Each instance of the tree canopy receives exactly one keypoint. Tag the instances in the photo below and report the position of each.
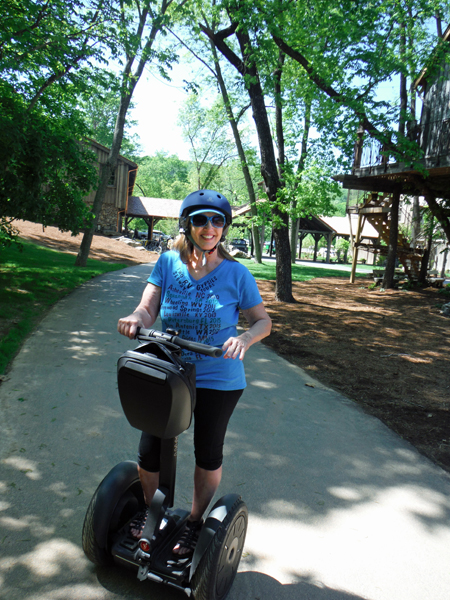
(44, 52)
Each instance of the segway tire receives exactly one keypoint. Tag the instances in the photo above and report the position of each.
(99, 556)
(116, 500)
(217, 569)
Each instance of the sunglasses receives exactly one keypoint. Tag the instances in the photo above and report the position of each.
(200, 220)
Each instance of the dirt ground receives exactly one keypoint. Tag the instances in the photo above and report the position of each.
(386, 350)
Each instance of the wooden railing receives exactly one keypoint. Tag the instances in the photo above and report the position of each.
(435, 141)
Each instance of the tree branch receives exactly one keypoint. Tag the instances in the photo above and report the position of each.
(336, 96)
(217, 39)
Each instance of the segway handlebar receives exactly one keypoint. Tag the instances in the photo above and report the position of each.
(153, 334)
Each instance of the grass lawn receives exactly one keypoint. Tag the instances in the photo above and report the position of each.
(30, 282)
(266, 271)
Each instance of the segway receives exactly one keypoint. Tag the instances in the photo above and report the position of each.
(157, 393)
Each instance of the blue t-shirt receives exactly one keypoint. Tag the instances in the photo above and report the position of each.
(206, 311)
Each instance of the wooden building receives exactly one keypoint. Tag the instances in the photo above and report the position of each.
(151, 210)
(376, 176)
(330, 228)
(120, 188)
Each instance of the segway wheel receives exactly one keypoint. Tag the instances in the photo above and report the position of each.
(99, 556)
(217, 569)
(116, 500)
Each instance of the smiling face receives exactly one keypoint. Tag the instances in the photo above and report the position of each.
(208, 236)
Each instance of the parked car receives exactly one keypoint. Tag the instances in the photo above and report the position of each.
(239, 244)
(157, 235)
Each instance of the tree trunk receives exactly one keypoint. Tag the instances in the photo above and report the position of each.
(249, 71)
(106, 170)
(426, 255)
(269, 171)
(415, 225)
(444, 262)
(129, 82)
(389, 273)
(403, 88)
(244, 165)
(300, 168)
(279, 115)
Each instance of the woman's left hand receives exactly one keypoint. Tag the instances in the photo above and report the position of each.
(260, 326)
(236, 347)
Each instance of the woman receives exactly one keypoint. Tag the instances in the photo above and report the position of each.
(198, 289)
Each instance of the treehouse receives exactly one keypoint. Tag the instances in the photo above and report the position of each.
(376, 176)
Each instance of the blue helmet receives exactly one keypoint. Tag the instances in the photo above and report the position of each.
(206, 200)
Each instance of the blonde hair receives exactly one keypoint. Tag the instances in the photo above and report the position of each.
(185, 247)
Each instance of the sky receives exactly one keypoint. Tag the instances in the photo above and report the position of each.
(157, 103)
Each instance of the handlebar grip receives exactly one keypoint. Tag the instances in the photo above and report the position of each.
(197, 347)
(186, 344)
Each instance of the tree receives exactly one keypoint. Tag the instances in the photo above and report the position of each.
(212, 63)
(45, 169)
(342, 245)
(100, 105)
(305, 165)
(206, 130)
(163, 176)
(138, 25)
(247, 67)
(336, 45)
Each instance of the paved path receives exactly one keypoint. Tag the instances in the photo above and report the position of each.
(340, 507)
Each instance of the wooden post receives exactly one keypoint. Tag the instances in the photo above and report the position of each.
(301, 238)
(444, 262)
(329, 246)
(355, 248)
(351, 229)
(316, 243)
(271, 244)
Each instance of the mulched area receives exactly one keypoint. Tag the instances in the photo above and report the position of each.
(386, 350)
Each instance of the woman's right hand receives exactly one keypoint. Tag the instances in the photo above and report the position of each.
(144, 315)
(128, 326)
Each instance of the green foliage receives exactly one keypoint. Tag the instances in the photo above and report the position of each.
(45, 42)
(45, 168)
(100, 104)
(163, 176)
(342, 244)
(309, 192)
(30, 282)
(206, 129)
(231, 182)
(8, 233)
(335, 44)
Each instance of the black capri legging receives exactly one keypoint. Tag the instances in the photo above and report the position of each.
(212, 412)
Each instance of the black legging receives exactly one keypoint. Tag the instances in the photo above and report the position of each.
(212, 412)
